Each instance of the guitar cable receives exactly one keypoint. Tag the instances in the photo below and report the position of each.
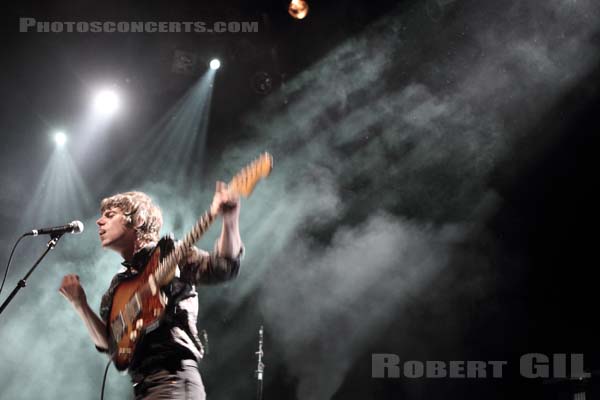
(8, 264)
(104, 379)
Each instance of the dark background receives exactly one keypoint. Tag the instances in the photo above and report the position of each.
(515, 277)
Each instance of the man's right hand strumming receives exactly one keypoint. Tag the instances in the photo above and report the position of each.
(72, 290)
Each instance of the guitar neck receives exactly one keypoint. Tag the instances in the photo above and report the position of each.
(168, 265)
(242, 184)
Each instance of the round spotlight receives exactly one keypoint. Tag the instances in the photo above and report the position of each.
(60, 138)
(106, 102)
(298, 9)
(215, 63)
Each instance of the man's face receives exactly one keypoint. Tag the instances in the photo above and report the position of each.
(114, 232)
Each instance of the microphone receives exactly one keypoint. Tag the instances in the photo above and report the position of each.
(73, 227)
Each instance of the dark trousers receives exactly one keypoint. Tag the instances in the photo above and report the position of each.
(182, 384)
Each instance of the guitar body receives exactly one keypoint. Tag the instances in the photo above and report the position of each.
(137, 308)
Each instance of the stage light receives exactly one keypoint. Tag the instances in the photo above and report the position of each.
(60, 138)
(106, 102)
(298, 9)
(215, 63)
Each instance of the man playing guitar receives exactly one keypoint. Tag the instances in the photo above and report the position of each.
(165, 362)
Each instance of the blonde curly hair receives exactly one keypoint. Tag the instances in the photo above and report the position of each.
(140, 212)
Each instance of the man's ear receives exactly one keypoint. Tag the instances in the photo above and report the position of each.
(140, 219)
(129, 220)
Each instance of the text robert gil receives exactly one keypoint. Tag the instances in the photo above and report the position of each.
(531, 365)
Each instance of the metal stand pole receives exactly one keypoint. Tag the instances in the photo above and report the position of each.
(260, 368)
(23, 282)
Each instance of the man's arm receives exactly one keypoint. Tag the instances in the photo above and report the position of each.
(227, 204)
(71, 289)
(224, 263)
(209, 268)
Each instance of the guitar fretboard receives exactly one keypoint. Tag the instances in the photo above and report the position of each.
(168, 265)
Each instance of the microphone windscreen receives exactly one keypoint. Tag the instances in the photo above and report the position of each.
(77, 226)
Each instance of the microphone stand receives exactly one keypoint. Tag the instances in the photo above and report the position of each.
(260, 368)
(205, 340)
(54, 238)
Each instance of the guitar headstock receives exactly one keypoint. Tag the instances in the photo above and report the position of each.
(243, 182)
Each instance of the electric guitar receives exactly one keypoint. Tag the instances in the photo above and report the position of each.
(139, 304)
